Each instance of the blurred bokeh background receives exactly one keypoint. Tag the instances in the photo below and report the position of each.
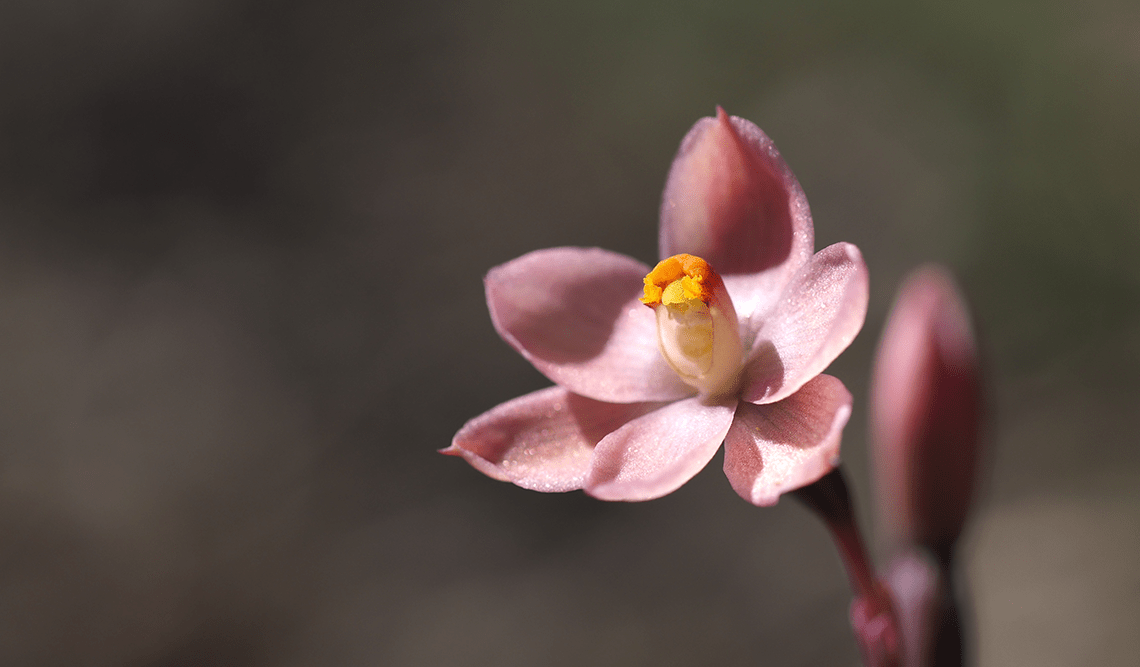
(241, 250)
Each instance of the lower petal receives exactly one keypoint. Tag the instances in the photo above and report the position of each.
(779, 447)
(542, 441)
(654, 455)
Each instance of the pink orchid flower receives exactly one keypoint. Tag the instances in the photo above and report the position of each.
(742, 318)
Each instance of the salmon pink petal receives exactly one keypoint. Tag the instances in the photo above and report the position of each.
(779, 447)
(755, 296)
(816, 318)
(732, 200)
(654, 455)
(574, 313)
(542, 441)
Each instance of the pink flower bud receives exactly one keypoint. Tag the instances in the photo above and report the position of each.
(925, 412)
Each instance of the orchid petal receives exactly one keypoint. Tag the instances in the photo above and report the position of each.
(732, 200)
(541, 441)
(779, 447)
(654, 455)
(817, 317)
(755, 296)
(574, 313)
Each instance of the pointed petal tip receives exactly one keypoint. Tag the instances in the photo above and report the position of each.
(851, 251)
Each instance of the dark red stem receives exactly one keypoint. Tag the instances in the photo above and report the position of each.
(872, 612)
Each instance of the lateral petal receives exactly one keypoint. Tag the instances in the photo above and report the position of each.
(818, 316)
(574, 313)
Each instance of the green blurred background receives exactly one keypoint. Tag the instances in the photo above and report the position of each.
(241, 250)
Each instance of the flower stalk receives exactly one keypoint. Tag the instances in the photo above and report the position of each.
(872, 611)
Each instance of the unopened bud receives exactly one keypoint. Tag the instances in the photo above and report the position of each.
(925, 412)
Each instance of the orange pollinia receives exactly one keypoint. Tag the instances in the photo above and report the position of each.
(697, 329)
(679, 277)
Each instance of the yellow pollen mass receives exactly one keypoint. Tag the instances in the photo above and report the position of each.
(681, 291)
(678, 279)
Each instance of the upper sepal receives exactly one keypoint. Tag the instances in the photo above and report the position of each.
(731, 199)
